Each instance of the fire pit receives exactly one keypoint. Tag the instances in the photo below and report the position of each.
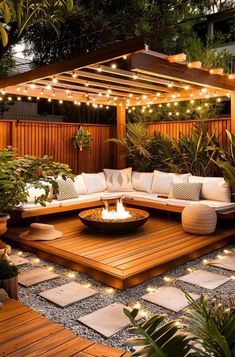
(114, 219)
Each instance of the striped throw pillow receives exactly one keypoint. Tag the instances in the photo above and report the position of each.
(186, 191)
(66, 189)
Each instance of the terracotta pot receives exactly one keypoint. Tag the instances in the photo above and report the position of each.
(11, 286)
(3, 222)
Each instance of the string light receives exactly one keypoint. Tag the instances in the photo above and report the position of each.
(107, 107)
(25, 90)
(18, 89)
(32, 86)
(10, 99)
(74, 74)
(48, 87)
(218, 100)
(124, 57)
(170, 85)
(113, 65)
(18, 98)
(29, 98)
(87, 84)
(99, 69)
(135, 76)
(38, 98)
(49, 100)
(54, 80)
(144, 96)
(3, 92)
(1, 98)
(60, 101)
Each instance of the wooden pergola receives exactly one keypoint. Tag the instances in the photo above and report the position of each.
(124, 74)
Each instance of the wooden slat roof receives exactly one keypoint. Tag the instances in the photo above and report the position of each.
(122, 72)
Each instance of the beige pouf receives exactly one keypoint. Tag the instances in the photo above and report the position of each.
(41, 231)
(199, 219)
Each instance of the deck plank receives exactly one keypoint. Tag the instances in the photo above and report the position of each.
(34, 335)
(124, 260)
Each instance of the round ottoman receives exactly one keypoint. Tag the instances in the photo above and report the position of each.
(199, 219)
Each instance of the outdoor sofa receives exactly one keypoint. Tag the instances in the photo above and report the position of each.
(152, 190)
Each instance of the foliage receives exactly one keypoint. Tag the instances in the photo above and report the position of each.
(7, 270)
(210, 332)
(190, 153)
(19, 16)
(207, 53)
(137, 146)
(194, 152)
(213, 327)
(18, 173)
(82, 139)
(157, 337)
(226, 161)
(173, 111)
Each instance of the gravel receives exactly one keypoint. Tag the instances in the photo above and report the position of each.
(68, 317)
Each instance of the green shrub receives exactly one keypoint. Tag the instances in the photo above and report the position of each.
(7, 270)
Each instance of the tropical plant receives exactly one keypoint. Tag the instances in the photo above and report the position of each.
(210, 331)
(136, 145)
(7, 270)
(157, 337)
(226, 161)
(195, 152)
(82, 139)
(18, 173)
(18, 16)
(213, 327)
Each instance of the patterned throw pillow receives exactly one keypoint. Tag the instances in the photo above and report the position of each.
(66, 189)
(119, 180)
(186, 191)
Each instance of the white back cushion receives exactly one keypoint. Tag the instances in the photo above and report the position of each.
(162, 181)
(34, 193)
(142, 181)
(94, 182)
(79, 185)
(119, 180)
(213, 188)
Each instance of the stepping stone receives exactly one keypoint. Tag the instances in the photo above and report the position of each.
(68, 294)
(169, 297)
(35, 276)
(17, 260)
(225, 262)
(108, 320)
(205, 279)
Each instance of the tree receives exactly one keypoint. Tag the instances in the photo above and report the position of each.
(18, 16)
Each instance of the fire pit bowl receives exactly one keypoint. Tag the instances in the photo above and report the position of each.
(93, 218)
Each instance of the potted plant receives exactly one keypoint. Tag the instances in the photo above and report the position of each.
(18, 173)
(9, 278)
(82, 139)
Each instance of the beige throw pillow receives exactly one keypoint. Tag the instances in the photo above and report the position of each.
(119, 180)
(162, 181)
(186, 191)
(66, 189)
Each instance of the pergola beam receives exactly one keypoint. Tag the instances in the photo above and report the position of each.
(148, 64)
(110, 52)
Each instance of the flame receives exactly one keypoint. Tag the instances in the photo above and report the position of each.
(114, 215)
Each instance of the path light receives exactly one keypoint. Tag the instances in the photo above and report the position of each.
(190, 270)
(167, 279)
(226, 251)
(35, 261)
(87, 285)
(19, 253)
(232, 277)
(137, 305)
(50, 268)
(205, 261)
(150, 289)
(71, 275)
(219, 256)
(110, 291)
(144, 313)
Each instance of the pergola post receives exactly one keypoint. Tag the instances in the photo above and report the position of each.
(233, 112)
(121, 132)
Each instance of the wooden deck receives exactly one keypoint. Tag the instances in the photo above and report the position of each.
(126, 260)
(25, 332)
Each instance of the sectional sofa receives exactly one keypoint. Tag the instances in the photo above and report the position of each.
(159, 190)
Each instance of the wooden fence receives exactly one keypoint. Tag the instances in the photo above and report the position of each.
(174, 128)
(54, 139)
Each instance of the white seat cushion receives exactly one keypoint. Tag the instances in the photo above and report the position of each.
(94, 182)
(142, 181)
(162, 181)
(213, 188)
(31, 206)
(79, 185)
